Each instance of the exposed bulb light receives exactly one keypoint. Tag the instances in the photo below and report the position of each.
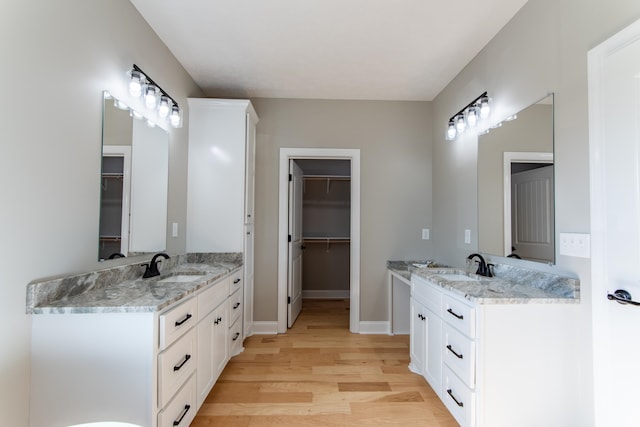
(472, 116)
(135, 84)
(151, 96)
(165, 106)
(511, 118)
(485, 108)
(120, 105)
(451, 131)
(460, 124)
(175, 118)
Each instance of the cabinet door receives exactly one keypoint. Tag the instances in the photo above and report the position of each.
(433, 352)
(212, 350)
(417, 337)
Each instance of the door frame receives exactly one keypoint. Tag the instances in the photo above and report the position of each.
(287, 154)
(510, 157)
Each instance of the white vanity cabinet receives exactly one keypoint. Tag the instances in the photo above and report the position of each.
(220, 195)
(152, 369)
(501, 364)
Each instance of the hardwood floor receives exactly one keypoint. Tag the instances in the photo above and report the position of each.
(319, 374)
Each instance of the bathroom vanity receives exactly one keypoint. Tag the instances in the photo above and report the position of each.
(145, 351)
(488, 346)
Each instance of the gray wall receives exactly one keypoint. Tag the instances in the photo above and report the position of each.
(543, 49)
(57, 58)
(395, 143)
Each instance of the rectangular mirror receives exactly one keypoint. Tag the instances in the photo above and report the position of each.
(516, 186)
(134, 183)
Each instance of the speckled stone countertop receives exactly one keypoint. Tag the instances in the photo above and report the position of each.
(512, 285)
(121, 289)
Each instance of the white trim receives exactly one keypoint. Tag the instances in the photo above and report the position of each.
(264, 328)
(283, 196)
(325, 294)
(375, 328)
(516, 157)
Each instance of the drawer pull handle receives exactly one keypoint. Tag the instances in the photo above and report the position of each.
(459, 356)
(236, 281)
(236, 305)
(217, 321)
(460, 404)
(181, 364)
(184, 412)
(187, 317)
(236, 336)
(456, 315)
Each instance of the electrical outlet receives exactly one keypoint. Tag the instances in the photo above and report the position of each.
(467, 236)
(174, 231)
(575, 244)
(425, 234)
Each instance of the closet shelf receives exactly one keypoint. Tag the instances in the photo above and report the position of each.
(326, 240)
(327, 178)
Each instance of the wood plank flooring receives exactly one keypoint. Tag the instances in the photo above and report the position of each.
(319, 374)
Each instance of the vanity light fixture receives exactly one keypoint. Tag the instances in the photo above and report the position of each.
(155, 98)
(469, 117)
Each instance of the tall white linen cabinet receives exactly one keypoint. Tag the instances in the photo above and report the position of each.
(221, 182)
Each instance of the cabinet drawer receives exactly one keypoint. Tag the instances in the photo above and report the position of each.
(427, 294)
(235, 338)
(459, 353)
(458, 399)
(460, 315)
(177, 321)
(211, 297)
(175, 365)
(235, 281)
(235, 306)
(182, 409)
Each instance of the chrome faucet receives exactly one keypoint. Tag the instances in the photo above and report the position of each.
(484, 269)
(152, 267)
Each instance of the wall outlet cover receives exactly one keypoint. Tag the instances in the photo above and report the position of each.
(425, 234)
(467, 236)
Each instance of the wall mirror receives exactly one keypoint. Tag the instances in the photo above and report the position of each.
(516, 186)
(133, 183)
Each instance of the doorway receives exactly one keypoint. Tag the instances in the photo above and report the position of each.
(309, 158)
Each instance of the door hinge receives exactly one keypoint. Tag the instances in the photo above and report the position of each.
(288, 300)
(289, 238)
(290, 177)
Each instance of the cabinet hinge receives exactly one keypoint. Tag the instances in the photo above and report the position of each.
(290, 177)
(288, 300)
(289, 238)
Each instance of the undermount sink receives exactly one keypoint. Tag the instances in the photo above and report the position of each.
(181, 278)
(457, 277)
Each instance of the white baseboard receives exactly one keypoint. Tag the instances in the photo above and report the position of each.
(382, 327)
(264, 328)
(328, 294)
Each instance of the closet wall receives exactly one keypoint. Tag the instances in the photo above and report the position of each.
(326, 228)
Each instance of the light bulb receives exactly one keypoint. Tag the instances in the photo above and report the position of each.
(175, 118)
(150, 96)
(451, 131)
(135, 84)
(472, 116)
(485, 108)
(119, 104)
(165, 106)
(460, 124)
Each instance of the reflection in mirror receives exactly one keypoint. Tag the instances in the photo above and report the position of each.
(516, 186)
(133, 203)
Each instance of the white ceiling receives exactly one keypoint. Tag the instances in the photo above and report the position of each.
(326, 49)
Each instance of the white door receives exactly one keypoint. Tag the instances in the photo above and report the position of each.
(614, 117)
(532, 230)
(295, 244)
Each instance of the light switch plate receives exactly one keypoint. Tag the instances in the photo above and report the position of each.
(467, 236)
(425, 234)
(174, 231)
(575, 244)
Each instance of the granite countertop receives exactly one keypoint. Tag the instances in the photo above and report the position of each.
(112, 291)
(512, 285)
